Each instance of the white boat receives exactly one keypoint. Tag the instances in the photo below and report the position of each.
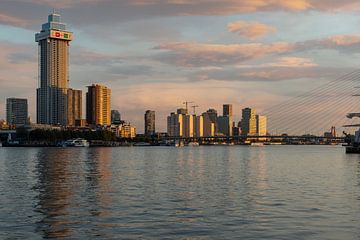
(77, 142)
(179, 143)
(193, 144)
(257, 144)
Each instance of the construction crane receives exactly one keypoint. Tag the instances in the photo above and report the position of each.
(194, 108)
(186, 104)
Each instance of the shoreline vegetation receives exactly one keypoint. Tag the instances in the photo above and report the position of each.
(105, 138)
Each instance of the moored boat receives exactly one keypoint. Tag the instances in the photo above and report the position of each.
(257, 144)
(179, 143)
(77, 142)
(193, 144)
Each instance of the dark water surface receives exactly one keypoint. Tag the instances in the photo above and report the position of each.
(235, 192)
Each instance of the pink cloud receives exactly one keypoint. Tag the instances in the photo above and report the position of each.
(215, 7)
(251, 30)
(343, 40)
(192, 54)
(291, 62)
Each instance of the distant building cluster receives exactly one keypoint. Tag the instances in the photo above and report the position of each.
(58, 105)
(209, 124)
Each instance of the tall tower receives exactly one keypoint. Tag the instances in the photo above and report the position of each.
(53, 41)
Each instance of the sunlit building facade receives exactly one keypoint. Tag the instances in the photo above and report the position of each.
(261, 125)
(98, 102)
(199, 126)
(181, 124)
(248, 122)
(74, 106)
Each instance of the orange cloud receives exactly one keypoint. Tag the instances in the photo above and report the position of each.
(344, 40)
(216, 7)
(250, 30)
(291, 62)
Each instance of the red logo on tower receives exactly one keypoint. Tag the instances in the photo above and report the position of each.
(61, 35)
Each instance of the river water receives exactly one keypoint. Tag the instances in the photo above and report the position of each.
(207, 192)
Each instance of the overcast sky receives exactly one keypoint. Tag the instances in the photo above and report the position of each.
(155, 54)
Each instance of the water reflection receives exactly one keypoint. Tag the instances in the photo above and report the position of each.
(189, 193)
(56, 187)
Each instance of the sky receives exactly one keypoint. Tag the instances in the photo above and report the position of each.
(156, 54)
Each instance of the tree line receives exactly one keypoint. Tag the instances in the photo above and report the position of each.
(53, 135)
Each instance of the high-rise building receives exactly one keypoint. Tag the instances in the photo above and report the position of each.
(208, 124)
(53, 41)
(181, 124)
(199, 126)
(261, 123)
(149, 119)
(175, 125)
(227, 110)
(189, 125)
(115, 117)
(98, 102)
(74, 106)
(225, 122)
(248, 122)
(16, 111)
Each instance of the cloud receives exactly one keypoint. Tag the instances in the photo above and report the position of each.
(272, 72)
(13, 21)
(251, 30)
(132, 70)
(94, 12)
(342, 43)
(291, 62)
(18, 72)
(192, 54)
(83, 56)
(203, 54)
(60, 4)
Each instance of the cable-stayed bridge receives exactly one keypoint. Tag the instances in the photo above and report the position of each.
(316, 111)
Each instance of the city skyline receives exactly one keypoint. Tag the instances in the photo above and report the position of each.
(246, 56)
